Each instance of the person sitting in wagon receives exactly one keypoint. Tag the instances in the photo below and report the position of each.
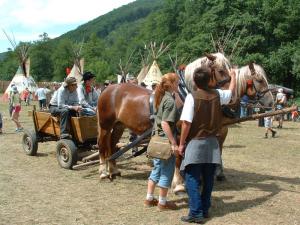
(88, 96)
(65, 103)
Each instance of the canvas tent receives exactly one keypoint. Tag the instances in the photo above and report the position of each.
(22, 78)
(77, 70)
(142, 74)
(154, 74)
(22, 82)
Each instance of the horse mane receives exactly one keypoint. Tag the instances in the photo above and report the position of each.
(221, 62)
(244, 74)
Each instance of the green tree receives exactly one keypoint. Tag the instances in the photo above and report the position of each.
(42, 68)
(62, 57)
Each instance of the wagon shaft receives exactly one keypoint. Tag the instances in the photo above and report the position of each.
(228, 121)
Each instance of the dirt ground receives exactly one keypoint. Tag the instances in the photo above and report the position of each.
(262, 186)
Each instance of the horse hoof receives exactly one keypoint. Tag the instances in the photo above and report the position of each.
(221, 178)
(180, 193)
(104, 175)
(179, 190)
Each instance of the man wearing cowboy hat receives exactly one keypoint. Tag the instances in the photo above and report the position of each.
(88, 96)
(65, 103)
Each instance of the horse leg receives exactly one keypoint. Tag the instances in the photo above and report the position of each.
(220, 176)
(116, 134)
(178, 182)
(104, 147)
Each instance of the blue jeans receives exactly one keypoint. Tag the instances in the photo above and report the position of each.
(244, 112)
(163, 172)
(199, 203)
(87, 112)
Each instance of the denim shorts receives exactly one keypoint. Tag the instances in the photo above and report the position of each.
(163, 171)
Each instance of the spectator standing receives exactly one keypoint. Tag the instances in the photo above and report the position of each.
(166, 118)
(26, 96)
(16, 103)
(280, 104)
(41, 94)
(291, 102)
(268, 123)
(10, 105)
(244, 106)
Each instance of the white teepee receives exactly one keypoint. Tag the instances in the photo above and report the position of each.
(142, 74)
(77, 69)
(22, 78)
(154, 74)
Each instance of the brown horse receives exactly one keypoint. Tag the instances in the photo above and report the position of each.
(126, 105)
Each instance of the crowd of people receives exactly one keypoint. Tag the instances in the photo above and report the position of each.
(198, 144)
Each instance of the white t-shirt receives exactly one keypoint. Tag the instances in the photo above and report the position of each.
(40, 93)
(281, 97)
(188, 107)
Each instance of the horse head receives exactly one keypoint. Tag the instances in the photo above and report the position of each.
(219, 65)
(252, 81)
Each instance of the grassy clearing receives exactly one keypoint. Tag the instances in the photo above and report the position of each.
(262, 187)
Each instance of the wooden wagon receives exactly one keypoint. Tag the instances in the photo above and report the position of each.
(47, 128)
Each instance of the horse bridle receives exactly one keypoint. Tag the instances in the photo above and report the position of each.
(258, 94)
(219, 84)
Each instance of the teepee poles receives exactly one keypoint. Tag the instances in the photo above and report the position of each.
(22, 52)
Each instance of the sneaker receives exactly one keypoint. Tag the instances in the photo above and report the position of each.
(192, 219)
(273, 133)
(266, 135)
(167, 206)
(150, 203)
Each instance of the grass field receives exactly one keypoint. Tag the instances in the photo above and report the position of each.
(262, 186)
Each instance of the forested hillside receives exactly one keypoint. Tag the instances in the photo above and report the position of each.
(264, 31)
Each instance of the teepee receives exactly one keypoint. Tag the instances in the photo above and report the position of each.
(77, 69)
(154, 74)
(22, 78)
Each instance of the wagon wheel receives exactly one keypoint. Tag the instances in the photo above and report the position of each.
(66, 153)
(29, 142)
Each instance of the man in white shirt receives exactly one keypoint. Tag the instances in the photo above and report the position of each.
(41, 94)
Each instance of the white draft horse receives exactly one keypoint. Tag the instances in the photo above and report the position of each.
(251, 80)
